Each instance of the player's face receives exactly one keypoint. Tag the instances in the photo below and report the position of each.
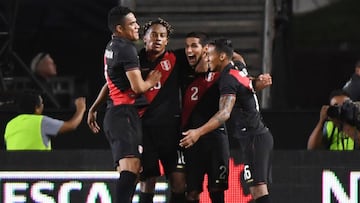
(202, 65)
(156, 38)
(213, 59)
(193, 50)
(130, 29)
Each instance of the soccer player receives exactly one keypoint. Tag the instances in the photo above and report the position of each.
(210, 154)
(161, 119)
(238, 103)
(122, 125)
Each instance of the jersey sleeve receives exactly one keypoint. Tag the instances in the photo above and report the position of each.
(227, 84)
(240, 65)
(129, 58)
(50, 126)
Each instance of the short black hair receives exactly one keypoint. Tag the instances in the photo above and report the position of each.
(26, 101)
(338, 92)
(159, 21)
(116, 16)
(224, 45)
(202, 36)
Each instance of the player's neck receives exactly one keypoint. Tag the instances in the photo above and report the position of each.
(154, 55)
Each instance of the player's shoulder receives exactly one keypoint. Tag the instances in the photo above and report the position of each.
(121, 43)
(179, 53)
(180, 57)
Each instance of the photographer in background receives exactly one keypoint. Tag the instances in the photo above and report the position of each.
(349, 120)
(327, 134)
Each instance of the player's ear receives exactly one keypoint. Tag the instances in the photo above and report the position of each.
(222, 56)
(119, 28)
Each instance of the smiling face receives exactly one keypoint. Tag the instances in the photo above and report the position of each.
(213, 59)
(130, 28)
(156, 38)
(193, 50)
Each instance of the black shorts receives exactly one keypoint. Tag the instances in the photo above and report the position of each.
(209, 155)
(122, 127)
(161, 143)
(257, 156)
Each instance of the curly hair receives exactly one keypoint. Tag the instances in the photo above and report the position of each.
(159, 21)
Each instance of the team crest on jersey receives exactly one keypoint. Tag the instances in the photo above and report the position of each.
(210, 77)
(242, 73)
(165, 65)
(244, 70)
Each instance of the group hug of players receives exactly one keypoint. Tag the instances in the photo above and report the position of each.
(179, 107)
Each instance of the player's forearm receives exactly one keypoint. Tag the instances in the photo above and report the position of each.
(143, 87)
(138, 85)
(215, 122)
(101, 98)
(226, 104)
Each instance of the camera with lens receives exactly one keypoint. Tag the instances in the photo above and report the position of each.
(348, 112)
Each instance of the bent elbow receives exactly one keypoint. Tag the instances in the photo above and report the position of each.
(139, 89)
(226, 116)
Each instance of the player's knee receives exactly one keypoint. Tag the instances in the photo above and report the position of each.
(259, 191)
